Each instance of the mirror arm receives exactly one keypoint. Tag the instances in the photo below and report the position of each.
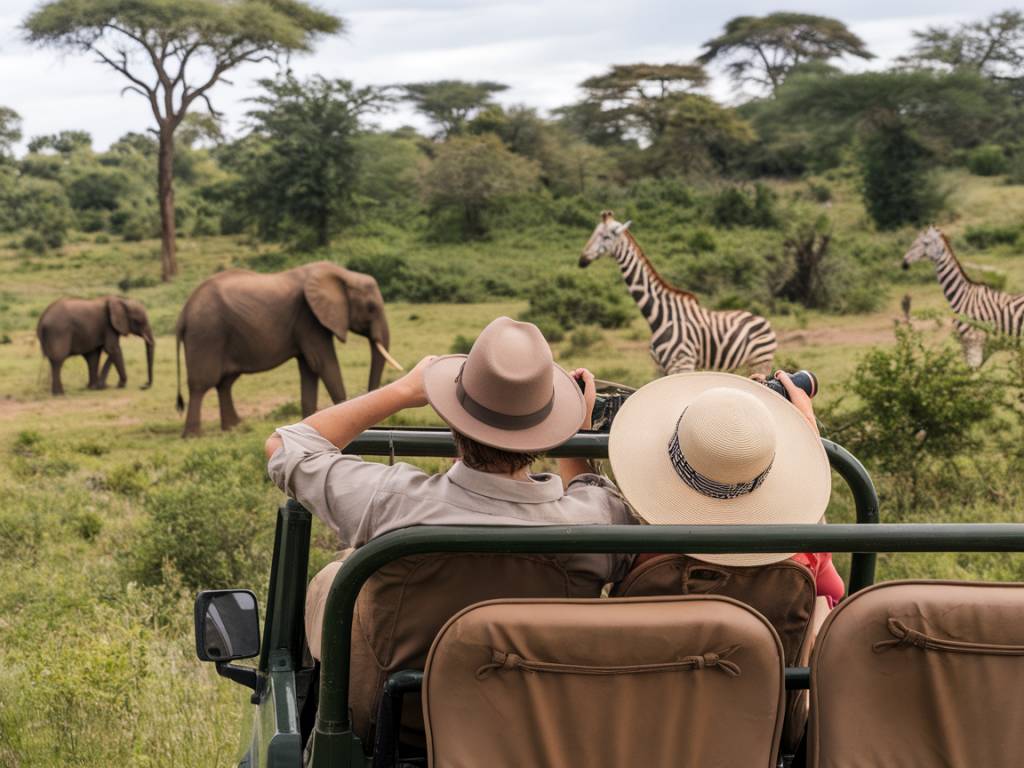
(246, 676)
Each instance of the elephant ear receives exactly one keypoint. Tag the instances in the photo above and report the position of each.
(327, 296)
(118, 316)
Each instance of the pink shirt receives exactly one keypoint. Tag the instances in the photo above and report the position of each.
(828, 582)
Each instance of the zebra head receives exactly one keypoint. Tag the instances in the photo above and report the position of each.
(605, 237)
(930, 244)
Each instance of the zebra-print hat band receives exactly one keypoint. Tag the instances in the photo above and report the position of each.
(703, 484)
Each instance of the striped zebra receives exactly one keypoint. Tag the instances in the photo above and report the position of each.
(974, 303)
(684, 335)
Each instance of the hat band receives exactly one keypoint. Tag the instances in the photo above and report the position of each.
(501, 420)
(703, 484)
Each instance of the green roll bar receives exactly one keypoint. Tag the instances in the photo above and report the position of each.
(334, 744)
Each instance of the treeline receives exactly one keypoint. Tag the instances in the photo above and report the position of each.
(311, 162)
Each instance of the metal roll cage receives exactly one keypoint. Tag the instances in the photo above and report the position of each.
(334, 743)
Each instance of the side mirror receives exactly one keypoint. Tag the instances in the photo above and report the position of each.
(227, 625)
(228, 628)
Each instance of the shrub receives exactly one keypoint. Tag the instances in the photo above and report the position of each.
(130, 282)
(583, 340)
(573, 298)
(987, 160)
(918, 408)
(735, 208)
(208, 520)
(988, 235)
(550, 327)
(461, 345)
(701, 240)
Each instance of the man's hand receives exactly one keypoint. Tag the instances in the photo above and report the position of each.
(800, 399)
(411, 385)
(589, 395)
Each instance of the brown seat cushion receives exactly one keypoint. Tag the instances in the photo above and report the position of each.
(403, 605)
(656, 681)
(783, 592)
(920, 673)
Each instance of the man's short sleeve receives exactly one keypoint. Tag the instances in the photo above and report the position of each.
(337, 487)
(600, 493)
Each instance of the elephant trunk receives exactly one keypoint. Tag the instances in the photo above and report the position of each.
(147, 335)
(380, 336)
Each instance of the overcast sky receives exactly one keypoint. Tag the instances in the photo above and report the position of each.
(540, 48)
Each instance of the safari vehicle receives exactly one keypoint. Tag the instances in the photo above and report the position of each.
(872, 680)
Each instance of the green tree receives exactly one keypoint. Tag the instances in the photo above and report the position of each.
(763, 49)
(63, 143)
(472, 175)
(993, 47)
(699, 136)
(897, 186)
(10, 131)
(299, 166)
(451, 103)
(172, 52)
(640, 97)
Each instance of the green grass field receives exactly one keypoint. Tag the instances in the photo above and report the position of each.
(96, 652)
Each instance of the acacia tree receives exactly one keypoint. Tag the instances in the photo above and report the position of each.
(451, 103)
(172, 52)
(763, 49)
(638, 96)
(993, 47)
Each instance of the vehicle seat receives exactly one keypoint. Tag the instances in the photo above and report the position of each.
(653, 681)
(922, 673)
(404, 604)
(784, 593)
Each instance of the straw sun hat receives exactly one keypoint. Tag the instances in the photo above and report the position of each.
(716, 449)
(508, 392)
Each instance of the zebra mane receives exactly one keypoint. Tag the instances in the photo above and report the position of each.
(952, 253)
(654, 273)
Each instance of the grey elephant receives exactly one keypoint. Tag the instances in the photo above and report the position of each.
(244, 322)
(89, 327)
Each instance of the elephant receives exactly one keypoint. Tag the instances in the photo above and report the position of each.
(89, 327)
(244, 322)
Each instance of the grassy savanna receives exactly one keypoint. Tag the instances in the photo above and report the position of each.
(111, 521)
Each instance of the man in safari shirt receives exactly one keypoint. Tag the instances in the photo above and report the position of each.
(506, 402)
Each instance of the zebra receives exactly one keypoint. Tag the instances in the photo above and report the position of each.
(972, 302)
(684, 335)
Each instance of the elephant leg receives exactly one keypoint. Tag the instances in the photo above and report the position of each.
(330, 372)
(228, 415)
(56, 388)
(92, 360)
(195, 411)
(113, 350)
(308, 383)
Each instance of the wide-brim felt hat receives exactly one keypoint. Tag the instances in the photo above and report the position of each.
(718, 449)
(507, 393)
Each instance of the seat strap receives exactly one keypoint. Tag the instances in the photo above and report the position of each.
(905, 637)
(502, 660)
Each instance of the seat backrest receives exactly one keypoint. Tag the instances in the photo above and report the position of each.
(783, 592)
(655, 681)
(920, 673)
(403, 605)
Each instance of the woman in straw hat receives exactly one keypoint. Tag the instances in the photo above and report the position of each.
(715, 449)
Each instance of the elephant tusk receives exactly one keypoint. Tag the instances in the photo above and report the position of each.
(384, 353)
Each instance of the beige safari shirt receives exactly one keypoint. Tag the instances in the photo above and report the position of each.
(361, 500)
